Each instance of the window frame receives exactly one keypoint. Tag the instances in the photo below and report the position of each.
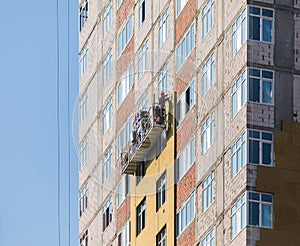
(261, 18)
(125, 35)
(125, 85)
(126, 231)
(208, 124)
(107, 213)
(163, 28)
(123, 189)
(208, 66)
(141, 216)
(241, 22)
(141, 4)
(83, 9)
(107, 163)
(83, 199)
(182, 5)
(161, 237)
(107, 17)
(83, 60)
(209, 7)
(161, 191)
(208, 191)
(239, 93)
(107, 67)
(83, 152)
(209, 238)
(107, 115)
(83, 106)
(143, 63)
(240, 143)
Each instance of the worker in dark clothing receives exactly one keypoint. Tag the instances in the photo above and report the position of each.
(162, 104)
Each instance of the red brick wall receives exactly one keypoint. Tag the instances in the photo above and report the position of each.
(123, 12)
(186, 73)
(186, 129)
(186, 186)
(125, 109)
(123, 213)
(125, 59)
(185, 19)
(187, 238)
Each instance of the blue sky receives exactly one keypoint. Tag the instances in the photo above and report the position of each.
(28, 159)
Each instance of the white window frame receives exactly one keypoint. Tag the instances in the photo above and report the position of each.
(261, 141)
(208, 18)
(125, 136)
(238, 210)
(83, 60)
(125, 85)
(239, 93)
(124, 238)
(163, 29)
(239, 155)
(142, 3)
(185, 215)
(107, 163)
(161, 237)
(180, 6)
(261, 19)
(208, 133)
(208, 74)
(107, 18)
(208, 240)
(185, 159)
(144, 103)
(123, 189)
(107, 116)
(161, 191)
(208, 191)
(163, 80)
(83, 152)
(262, 79)
(185, 47)
(125, 35)
(143, 62)
(261, 203)
(84, 239)
(107, 67)
(83, 14)
(107, 208)
(141, 212)
(239, 32)
(82, 106)
(83, 199)
(183, 107)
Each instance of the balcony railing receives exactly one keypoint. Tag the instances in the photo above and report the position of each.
(147, 128)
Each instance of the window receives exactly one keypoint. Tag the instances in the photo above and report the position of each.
(83, 106)
(107, 66)
(180, 5)
(124, 237)
(208, 133)
(125, 136)
(83, 60)
(258, 212)
(207, 17)
(260, 209)
(123, 188)
(238, 219)
(125, 86)
(238, 155)
(84, 239)
(161, 237)
(161, 191)
(208, 187)
(125, 36)
(143, 60)
(107, 213)
(83, 13)
(185, 103)
(260, 147)
(208, 74)
(107, 163)
(238, 93)
(261, 86)
(163, 29)
(185, 215)
(185, 47)
(143, 11)
(144, 104)
(107, 18)
(83, 198)
(261, 24)
(83, 152)
(209, 239)
(107, 116)
(141, 216)
(140, 172)
(120, 2)
(163, 83)
(239, 33)
(185, 159)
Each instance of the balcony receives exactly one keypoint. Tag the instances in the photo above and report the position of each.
(147, 129)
